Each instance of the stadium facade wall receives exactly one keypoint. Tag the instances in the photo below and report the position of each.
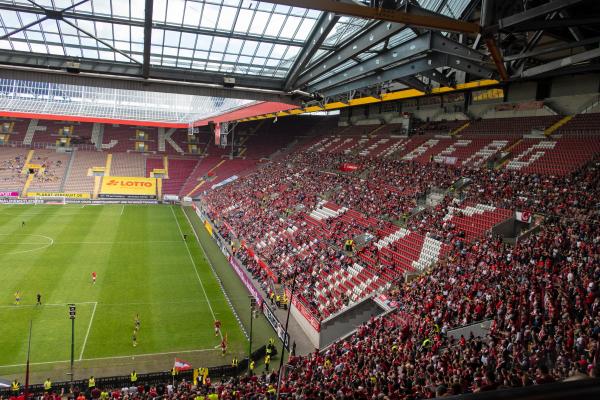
(307, 327)
(522, 91)
(568, 95)
(570, 85)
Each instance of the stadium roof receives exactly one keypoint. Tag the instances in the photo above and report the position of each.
(275, 48)
(111, 104)
(244, 37)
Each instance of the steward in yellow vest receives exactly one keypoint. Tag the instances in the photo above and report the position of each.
(91, 382)
(349, 246)
(15, 386)
(133, 377)
(47, 385)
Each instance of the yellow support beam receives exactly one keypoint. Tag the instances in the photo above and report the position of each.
(549, 131)
(364, 100)
(397, 95)
(313, 109)
(159, 188)
(335, 105)
(97, 183)
(108, 164)
(27, 159)
(460, 129)
(27, 184)
(202, 182)
(166, 166)
(195, 188)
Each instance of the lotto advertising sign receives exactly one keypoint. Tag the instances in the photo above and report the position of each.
(128, 187)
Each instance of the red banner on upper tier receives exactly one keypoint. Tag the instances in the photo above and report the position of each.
(348, 167)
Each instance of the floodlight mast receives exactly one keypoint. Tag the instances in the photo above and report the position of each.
(72, 311)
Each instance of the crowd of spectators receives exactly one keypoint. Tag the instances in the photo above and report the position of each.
(11, 168)
(540, 297)
(49, 169)
(541, 294)
(268, 210)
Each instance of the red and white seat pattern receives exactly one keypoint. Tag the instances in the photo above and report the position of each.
(530, 155)
(477, 219)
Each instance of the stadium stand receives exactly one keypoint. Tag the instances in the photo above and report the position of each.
(128, 164)
(523, 285)
(510, 126)
(581, 125)
(54, 165)
(179, 171)
(12, 161)
(438, 160)
(79, 179)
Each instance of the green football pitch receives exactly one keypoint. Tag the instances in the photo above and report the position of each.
(143, 267)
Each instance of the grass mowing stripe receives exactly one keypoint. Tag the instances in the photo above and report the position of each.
(238, 293)
(111, 358)
(20, 231)
(119, 242)
(218, 278)
(88, 331)
(45, 305)
(195, 268)
(140, 269)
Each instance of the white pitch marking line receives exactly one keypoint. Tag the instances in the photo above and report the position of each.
(237, 317)
(30, 250)
(122, 209)
(88, 331)
(110, 358)
(195, 269)
(120, 242)
(47, 305)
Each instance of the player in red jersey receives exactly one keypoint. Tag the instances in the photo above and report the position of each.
(224, 345)
(217, 327)
(94, 277)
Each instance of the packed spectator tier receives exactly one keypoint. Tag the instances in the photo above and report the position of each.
(540, 295)
(279, 215)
